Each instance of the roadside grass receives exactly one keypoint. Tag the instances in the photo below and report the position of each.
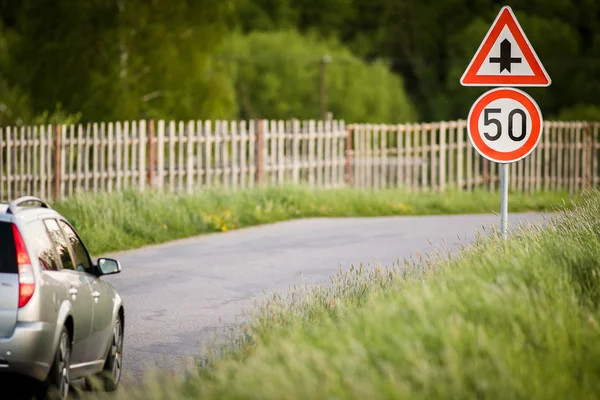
(515, 319)
(126, 220)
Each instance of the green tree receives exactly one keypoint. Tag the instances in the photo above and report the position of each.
(430, 42)
(433, 42)
(14, 104)
(122, 59)
(264, 15)
(278, 75)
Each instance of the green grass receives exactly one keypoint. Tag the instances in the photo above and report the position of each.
(127, 220)
(514, 319)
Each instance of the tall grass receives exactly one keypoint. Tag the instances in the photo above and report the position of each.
(126, 220)
(515, 319)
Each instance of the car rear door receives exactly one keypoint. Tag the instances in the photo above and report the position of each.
(9, 281)
(79, 292)
(102, 296)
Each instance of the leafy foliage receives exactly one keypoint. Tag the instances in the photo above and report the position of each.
(120, 59)
(430, 43)
(124, 59)
(580, 112)
(277, 74)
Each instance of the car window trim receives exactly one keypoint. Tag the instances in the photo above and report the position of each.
(87, 253)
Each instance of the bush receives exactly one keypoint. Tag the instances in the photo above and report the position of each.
(580, 113)
(277, 75)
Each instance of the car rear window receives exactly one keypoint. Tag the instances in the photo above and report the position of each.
(8, 255)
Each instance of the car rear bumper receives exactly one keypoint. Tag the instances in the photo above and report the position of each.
(29, 351)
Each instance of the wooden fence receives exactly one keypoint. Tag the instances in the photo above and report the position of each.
(59, 161)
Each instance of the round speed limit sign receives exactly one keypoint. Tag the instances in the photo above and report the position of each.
(504, 125)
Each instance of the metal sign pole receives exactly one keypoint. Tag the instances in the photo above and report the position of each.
(487, 69)
(503, 200)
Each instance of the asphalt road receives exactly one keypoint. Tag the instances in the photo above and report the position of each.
(181, 293)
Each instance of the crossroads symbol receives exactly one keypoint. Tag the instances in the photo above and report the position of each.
(505, 60)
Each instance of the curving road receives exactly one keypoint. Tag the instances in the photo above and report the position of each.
(181, 293)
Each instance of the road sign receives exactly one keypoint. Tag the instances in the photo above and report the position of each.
(504, 125)
(505, 57)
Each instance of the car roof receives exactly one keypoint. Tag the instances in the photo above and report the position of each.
(17, 207)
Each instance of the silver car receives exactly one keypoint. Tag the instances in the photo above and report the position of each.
(59, 320)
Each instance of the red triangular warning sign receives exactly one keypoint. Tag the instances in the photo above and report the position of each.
(505, 57)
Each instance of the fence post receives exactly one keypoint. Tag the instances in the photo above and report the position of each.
(57, 166)
(486, 172)
(348, 155)
(151, 154)
(260, 152)
(442, 156)
(589, 143)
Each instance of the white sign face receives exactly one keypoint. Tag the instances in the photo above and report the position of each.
(505, 58)
(504, 125)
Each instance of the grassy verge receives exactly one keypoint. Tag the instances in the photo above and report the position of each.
(120, 221)
(507, 320)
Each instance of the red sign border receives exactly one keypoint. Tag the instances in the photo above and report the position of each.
(505, 18)
(532, 108)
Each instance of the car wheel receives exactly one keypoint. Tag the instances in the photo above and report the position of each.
(59, 376)
(114, 363)
(111, 375)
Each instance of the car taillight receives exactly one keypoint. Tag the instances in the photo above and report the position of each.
(26, 275)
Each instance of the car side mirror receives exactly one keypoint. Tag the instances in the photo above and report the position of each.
(108, 266)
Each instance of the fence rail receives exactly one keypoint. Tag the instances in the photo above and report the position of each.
(58, 161)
